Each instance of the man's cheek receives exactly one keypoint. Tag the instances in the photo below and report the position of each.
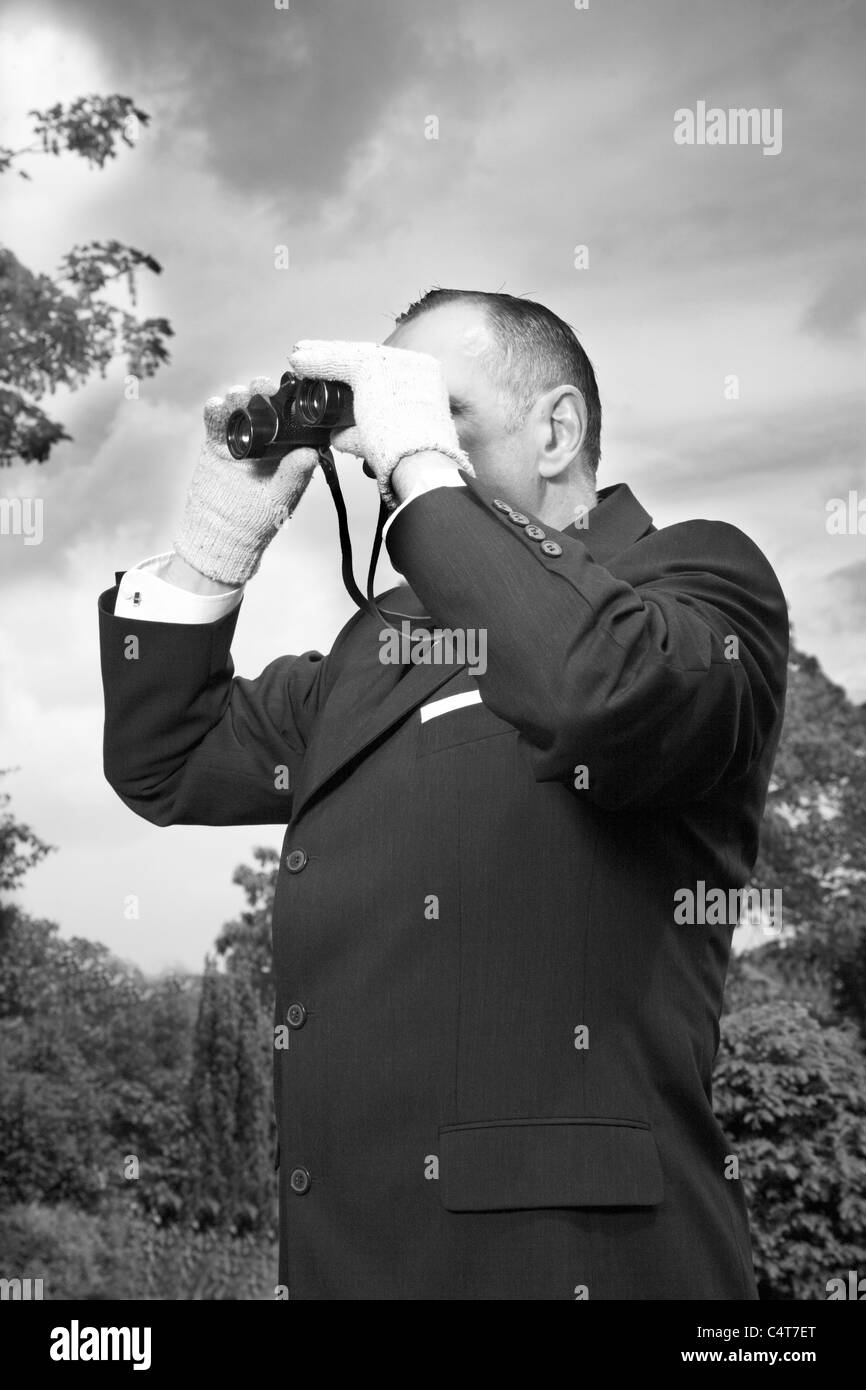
(491, 464)
(477, 447)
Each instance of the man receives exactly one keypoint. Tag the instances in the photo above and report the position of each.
(501, 1036)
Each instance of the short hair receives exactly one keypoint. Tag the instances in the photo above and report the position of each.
(536, 351)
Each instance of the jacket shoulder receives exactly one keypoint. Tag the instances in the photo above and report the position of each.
(700, 544)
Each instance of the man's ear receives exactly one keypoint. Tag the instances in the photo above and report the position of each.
(562, 417)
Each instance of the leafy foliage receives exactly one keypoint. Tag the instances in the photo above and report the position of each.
(245, 943)
(94, 1064)
(20, 849)
(117, 1253)
(230, 1104)
(813, 844)
(791, 1096)
(58, 331)
(90, 126)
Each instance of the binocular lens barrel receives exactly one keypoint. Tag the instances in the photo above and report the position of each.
(324, 403)
(249, 431)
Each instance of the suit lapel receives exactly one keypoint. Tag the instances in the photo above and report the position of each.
(368, 698)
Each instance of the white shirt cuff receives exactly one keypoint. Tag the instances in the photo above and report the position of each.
(144, 594)
(432, 477)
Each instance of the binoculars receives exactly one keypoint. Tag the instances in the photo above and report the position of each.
(301, 414)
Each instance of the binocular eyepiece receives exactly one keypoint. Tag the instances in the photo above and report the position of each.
(301, 414)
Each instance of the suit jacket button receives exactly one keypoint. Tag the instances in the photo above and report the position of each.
(296, 1015)
(535, 533)
(299, 1181)
(500, 505)
(519, 519)
(296, 861)
(551, 548)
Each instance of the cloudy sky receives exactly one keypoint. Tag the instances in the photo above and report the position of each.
(306, 127)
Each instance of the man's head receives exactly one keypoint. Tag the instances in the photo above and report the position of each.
(523, 394)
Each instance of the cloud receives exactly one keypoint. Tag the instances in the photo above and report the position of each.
(848, 586)
(286, 97)
(305, 128)
(835, 313)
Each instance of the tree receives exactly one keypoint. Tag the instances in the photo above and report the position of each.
(20, 848)
(94, 1059)
(57, 332)
(245, 942)
(230, 1105)
(210, 1096)
(255, 1126)
(813, 844)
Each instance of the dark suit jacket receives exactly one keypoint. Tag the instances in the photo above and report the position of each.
(498, 1082)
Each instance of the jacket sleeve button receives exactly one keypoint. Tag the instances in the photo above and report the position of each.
(551, 548)
(535, 533)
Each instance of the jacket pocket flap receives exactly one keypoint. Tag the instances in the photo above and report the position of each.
(503, 1164)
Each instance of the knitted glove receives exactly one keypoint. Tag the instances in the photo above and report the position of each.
(400, 404)
(234, 507)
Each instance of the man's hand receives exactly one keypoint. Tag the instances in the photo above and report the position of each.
(235, 507)
(400, 403)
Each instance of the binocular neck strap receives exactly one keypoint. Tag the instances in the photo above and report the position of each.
(368, 604)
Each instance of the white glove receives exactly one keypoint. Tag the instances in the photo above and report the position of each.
(400, 403)
(234, 507)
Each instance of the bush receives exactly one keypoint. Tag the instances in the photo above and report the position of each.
(791, 1096)
(121, 1254)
